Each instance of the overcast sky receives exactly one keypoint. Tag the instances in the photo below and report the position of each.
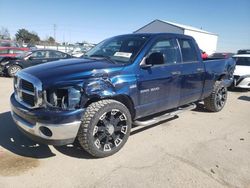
(95, 20)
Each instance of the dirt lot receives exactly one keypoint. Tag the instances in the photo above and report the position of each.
(196, 149)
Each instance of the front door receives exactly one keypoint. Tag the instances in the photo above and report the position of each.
(38, 57)
(159, 85)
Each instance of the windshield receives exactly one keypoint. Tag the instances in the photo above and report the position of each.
(245, 61)
(24, 54)
(120, 49)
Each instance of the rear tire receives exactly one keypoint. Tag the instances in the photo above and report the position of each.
(105, 128)
(217, 100)
(13, 69)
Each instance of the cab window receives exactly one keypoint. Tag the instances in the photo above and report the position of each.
(167, 48)
(187, 50)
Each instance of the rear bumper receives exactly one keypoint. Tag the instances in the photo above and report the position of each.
(48, 127)
(228, 82)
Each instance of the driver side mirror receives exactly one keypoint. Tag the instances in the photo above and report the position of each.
(156, 58)
(31, 58)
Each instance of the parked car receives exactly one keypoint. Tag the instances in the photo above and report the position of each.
(242, 71)
(9, 43)
(12, 65)
(245, 51)
(97, 98)
(11, 51)
(221, 55)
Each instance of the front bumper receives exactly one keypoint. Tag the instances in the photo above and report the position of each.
(242, 81)
(48, 127)
(1, 70)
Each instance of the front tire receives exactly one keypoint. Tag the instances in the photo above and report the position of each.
(105, 128)
(217, 100)
(13, 69)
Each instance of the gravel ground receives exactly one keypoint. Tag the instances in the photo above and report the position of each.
(196, 149)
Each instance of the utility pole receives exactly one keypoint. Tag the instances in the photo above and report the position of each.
(54, 28)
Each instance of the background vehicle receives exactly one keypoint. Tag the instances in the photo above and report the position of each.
(11, 51)
(9, 43)
(242, 71)
(10, 66)
(221, 55)
(124, 79)
(243, 51)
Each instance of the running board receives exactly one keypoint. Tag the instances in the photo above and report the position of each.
(164, 116)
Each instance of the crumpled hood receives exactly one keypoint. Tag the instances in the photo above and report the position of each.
(242, 70)
(72, 70)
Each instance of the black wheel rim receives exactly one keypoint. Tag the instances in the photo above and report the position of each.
(221, 97)
(110, 130)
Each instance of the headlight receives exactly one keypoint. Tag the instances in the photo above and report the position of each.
(5, 63)
(67, 98)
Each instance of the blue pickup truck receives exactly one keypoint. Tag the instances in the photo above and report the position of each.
(139, 79)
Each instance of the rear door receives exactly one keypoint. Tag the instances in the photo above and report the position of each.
(38, 57)
(192, 72)
(159, 85)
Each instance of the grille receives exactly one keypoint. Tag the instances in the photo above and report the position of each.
(29, 99)
(28, 90)
(236, 77)
(27, 86)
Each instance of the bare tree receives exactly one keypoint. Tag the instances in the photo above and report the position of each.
(4, 33)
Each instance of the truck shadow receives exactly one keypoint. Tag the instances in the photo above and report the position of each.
(201, 108)
(74, 150)
(16, 142)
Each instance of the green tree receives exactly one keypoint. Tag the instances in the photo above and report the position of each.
(24, 35)
(51, 40)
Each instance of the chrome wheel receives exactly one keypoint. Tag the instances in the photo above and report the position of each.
(12, 70)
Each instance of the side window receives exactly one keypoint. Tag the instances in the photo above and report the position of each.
(167, 47)
(55, 54)
(188, 50)
(39, 54)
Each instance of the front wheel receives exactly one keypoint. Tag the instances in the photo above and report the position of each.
(13, 69)
(217, 100)
(105, 128)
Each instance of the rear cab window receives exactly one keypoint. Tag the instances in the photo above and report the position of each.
(188, 51)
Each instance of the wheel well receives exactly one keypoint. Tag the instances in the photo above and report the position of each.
(124, 99)
(16, 65)
(221, 77)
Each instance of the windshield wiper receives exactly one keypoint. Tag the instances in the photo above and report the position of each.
(102, 57)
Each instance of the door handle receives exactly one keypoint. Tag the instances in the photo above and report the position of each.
(176, 73)
(200, 69)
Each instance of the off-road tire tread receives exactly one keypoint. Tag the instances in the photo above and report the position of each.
(209, 101)
(91, 110)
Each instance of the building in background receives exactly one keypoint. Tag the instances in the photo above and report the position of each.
(207, 41)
